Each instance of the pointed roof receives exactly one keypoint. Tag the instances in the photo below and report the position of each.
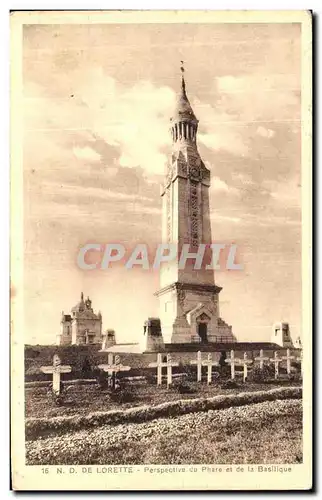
(183, 110)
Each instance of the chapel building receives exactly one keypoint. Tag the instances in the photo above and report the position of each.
(81, 326)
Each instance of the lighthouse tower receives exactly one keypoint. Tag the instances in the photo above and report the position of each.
(188, 297)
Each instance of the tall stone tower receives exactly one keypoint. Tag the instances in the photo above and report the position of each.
(189, 309)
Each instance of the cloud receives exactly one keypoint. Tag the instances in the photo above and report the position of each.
(134, 119)
(260, 96)
(286, 193)
(266, 82)
(82, 193)
(244, 179)
(261, 219)
(218, 130)
(219, 185)
(265, 132)
(225, 218)
(270, 214)
(225, 140)
(86, 153)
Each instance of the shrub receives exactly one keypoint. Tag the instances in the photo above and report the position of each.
(120, 391)
(151, 379)
(57, 399)
(86, 368)
(122, 395)
(216, 376)
(257, 375)
(190, 371)
(222, 359)
(294, 377)
(183, 387)
(229, 384)
(102, 379)
(296, 365)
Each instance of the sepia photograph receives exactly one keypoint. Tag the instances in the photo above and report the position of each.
(160, 228)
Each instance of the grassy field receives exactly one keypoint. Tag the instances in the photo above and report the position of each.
(267, 432)
(260, 431)
(80, 400)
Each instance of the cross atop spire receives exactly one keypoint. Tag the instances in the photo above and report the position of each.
(183, 83)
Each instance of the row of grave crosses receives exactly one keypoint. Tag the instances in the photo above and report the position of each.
(115, 366)
(232, 361)
(261, 358)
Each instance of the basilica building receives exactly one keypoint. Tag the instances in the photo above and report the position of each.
(81, 326)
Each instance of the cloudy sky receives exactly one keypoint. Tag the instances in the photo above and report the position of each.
(97, 102)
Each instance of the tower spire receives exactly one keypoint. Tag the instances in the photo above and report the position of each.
(184, 123)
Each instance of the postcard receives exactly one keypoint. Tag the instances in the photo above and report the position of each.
(161, 233)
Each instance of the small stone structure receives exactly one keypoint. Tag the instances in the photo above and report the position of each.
(153, 335)
(109, 339)
(281, 335)
(298, 343)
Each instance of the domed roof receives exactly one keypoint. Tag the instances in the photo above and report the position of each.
(80, 306)
(183, 110)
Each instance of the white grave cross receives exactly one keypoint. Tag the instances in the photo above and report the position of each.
(300, 359)
(199, 363)
(160, 364)
(245, 362)
(276, 360)
(56, 369)
(261, 358)
(231, 361)
(169, 366)
(236, 361)
(288, 359)
(113, 365)
(209, 363)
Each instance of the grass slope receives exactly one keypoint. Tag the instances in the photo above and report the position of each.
(85, 399)
(267, 432)
(36, 427)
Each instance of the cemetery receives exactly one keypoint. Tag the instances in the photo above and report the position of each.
(190, 392)
(122, 408)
